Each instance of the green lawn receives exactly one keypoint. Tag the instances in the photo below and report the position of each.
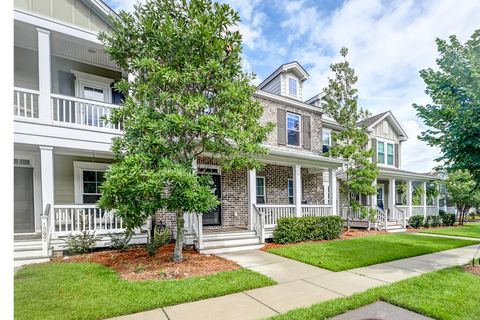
(359, 252)
(446, 294)
(471, 230)
(92, 291)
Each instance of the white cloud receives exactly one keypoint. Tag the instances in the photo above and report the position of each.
(389, 42)
(126, 5)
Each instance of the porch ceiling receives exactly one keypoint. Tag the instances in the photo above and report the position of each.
(63, 45)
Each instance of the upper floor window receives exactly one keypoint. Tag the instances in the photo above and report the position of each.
(293, 129)
(290, 191)
(292, 87)
(326, 140)
(385, 151)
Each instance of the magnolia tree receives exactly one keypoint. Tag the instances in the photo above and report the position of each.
(462, 190)
(342, 105)
(189, 97)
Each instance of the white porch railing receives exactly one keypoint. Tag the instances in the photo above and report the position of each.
(417, 210)
(400, 215)
(316, 210)
(68, 219)
(258, 223)
(25, 103)
(82, 112)
(378, 221)
(432, 211)
(405, 209)
(274, 212)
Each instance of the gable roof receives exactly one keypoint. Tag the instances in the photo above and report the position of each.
(295, 66)
(101, 9)
(371, 122)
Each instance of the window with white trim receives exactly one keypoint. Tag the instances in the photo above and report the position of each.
(292, 87)
(260, 184)
(92, 180)
(290, 191)
(326, 140)
(385, 153)
(293, 129)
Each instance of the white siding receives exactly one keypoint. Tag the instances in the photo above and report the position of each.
(25, 68)
(63, 176)
(389, 134)
(71, 11)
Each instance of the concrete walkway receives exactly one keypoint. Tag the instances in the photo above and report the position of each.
(444, 236)
(301, 285)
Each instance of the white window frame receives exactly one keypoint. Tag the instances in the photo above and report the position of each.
(329, 131)
(83, 79)
(296, 87)
(299, 129)
(264, 195)
(78, 167)
(385, 158)
(288, 191)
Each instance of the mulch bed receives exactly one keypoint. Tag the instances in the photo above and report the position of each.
(353, 233)
(473, 269)
(135, 264)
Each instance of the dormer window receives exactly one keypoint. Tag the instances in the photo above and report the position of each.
(292, 87)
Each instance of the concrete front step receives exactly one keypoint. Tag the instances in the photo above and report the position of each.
(229, 235)
(395, 229)
(212, 243)
(20, 254)
(18, 262)
(225, 249)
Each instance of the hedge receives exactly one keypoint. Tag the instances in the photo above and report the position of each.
(299, 229)
(448, 219)
(416, 221)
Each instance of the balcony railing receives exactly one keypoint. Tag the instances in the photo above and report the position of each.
(25, 103)
(82, 112)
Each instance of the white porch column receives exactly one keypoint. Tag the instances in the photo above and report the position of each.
(252, 195)
(391, 195)
(373, 198)
(44, 79)
(297, 189)
(332, 184)
(409, 197)
(46, 166)
(424, 199)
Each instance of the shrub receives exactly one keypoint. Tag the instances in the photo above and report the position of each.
(448, 219)
(433, 221)
(81, 243)
(295, 229)
(120, 241)
(416, 221)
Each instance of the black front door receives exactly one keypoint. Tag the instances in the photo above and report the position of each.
(214, 217)
(24, 219)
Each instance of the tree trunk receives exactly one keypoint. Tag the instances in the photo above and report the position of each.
(177, 253)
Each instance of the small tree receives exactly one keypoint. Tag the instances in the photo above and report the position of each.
(189, 97)
(461, 189)
(342, 105)
(454, 117)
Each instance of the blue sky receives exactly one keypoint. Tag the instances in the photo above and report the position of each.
(389, 42)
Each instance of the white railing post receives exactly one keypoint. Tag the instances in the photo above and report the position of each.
(46, 230)
(424, 199)
(297, 189)
(252, 195)
(200, 231)
(332, 184)
(44, 82)
(409, 197)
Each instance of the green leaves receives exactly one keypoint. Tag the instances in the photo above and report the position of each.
(189, 97)
(453, 119)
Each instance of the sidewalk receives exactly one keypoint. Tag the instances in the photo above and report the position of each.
(301, 285)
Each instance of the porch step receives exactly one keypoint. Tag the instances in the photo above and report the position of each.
(18, 262)
(395, 228)
(230, 242)
(229, 235)
(225, 249)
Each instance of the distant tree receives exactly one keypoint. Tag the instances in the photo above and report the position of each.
(454, 116)
(461, 189)
(189, 97)
(342, 105)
